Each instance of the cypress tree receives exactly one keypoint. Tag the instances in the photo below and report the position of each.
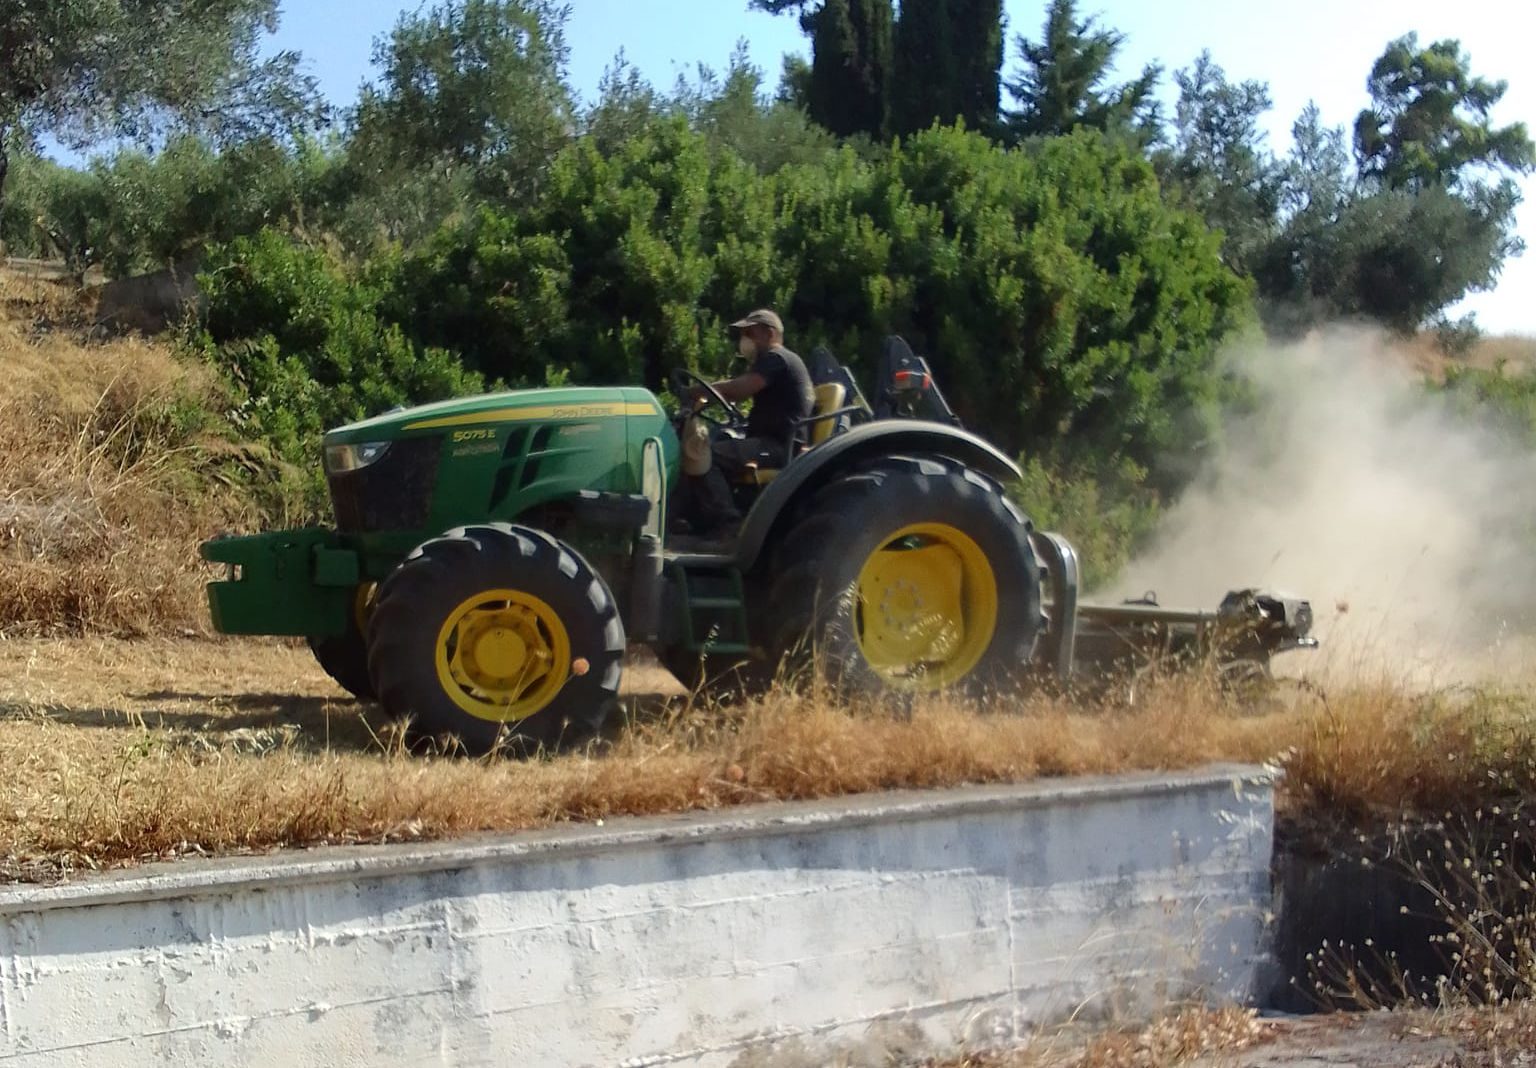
(923, 86)
(977, 34)
(949, 58)
(851, 66)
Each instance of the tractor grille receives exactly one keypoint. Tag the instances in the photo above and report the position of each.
(394, 493)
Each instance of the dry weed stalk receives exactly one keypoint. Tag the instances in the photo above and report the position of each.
(1180, 1036)
(1476, 872)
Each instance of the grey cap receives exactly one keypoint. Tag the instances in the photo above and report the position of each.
(761, 317)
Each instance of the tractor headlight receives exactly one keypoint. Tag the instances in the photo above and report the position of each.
(339, 459)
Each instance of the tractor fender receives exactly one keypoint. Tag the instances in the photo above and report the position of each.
(865, 442)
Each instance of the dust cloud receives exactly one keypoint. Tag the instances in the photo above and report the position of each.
(1407, 526)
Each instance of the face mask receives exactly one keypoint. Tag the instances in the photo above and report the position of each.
(747, 347)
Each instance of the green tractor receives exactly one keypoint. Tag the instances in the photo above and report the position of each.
(494, 557)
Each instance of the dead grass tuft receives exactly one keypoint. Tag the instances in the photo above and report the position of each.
(1174, 1039)
(104, 456)
(1515, 352)
(1503, 1035)
(1375, 753)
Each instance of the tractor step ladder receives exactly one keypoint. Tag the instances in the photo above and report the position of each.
(714, 605)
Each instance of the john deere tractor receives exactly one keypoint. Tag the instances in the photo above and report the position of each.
(493, 558)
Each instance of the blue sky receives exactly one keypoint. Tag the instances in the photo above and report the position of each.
(1305, 49)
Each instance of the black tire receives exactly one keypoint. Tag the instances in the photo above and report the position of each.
(813, 610)
(344, 657)
(417, 602)
(717, 675)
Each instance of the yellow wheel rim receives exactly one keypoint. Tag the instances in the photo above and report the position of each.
(503, 655)
(927, 607)
(362, 605)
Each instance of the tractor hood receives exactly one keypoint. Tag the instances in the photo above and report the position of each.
(527, 405)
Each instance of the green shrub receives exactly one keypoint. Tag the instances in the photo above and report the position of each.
(1495, 400)
(1106, 517)
(300, 341)
(1065, 308)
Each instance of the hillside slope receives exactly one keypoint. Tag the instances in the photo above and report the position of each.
(111, 472)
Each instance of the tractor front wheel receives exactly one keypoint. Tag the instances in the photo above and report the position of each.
(497, 635)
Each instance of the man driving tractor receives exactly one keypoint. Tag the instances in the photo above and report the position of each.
(779, 386)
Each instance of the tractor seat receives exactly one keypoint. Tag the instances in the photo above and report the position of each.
(829, 398)
(818, 428)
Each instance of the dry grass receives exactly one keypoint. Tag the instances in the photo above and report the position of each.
(123, 751)
(1227, 1037)
(1501, 1036)
(104, 492)
(1515, 352)
(1175, 1039)
(1378, 752)
(128, 750)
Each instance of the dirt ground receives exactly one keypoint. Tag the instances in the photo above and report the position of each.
(1236, 1038)
(253, 688)
(1380, 1040)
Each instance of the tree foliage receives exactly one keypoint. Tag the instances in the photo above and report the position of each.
(734, 112)
(1395, 257)
(1063, 84)
(1065, 306)
(949, 57)
(1426, 216)
(978, 30)
(1420, 217)
(847, 88)
(1429, 121)
(927, 67)
(141, 211)
(475, 85)
(85, 70)
(301, 340)
(1219, 161)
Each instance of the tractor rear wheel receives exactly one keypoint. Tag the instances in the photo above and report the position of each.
(912, 576)
(344, 657)
(497, 635)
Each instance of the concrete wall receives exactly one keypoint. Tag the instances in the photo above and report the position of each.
(784, 935)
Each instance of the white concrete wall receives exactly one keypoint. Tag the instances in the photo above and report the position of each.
(778, 936)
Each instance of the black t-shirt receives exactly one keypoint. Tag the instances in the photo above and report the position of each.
(787, 396)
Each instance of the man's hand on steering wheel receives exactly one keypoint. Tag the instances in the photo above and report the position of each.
(690, 387)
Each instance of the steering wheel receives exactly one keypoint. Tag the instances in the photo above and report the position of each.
(683, 378)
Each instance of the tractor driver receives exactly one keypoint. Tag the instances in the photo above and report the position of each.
(780, 388)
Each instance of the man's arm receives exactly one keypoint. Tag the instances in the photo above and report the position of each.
(741, 387)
